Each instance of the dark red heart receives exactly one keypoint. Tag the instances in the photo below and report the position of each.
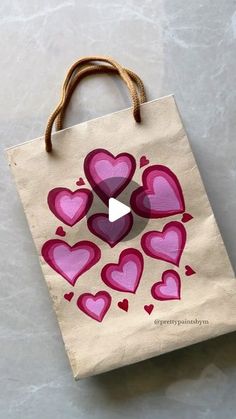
(149, 308)
(69, 296)
(186, 217)
(80, 182)
(60, 232)
(124, 305)
(189, 271)
(143, 161)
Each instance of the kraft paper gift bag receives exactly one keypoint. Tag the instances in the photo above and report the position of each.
(156, 279)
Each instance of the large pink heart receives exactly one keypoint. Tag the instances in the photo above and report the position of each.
(70, 206)
(160, 196)
(108, 175)
(126, 274)
(70, 261)
(168, 288)
(111, 232)
(167, 244)
(95, 306)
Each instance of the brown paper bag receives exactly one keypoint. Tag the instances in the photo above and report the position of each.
(122, 293)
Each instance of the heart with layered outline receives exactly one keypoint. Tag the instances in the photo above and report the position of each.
(95, 306)
(68, 206)
(70, 261)
(110, 232)
(160, 196)
(126, 274)
(107, 174)
(167, 245)
(168, 288)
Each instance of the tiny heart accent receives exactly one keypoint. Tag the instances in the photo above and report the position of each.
(149, 308)
(80, 182)
(124, 305)
(60, 232)
(186, 217)
(69, 296)
(143, 161)
(189, 271)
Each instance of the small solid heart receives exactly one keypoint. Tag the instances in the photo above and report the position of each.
(124, 305)
(69, 296)
(143, 161)
(80, 182)
(186, 217)
(149, 308)
(189, 271)
(60, 232)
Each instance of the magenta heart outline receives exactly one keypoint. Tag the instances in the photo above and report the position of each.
(55, 196)
(142, 193)
(98, 315)
(99, 184)
(113, 233)
(156, 289)
(126, 256)
(48, 250)
(172, 254)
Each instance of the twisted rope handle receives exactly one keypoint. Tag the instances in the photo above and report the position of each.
(93, 69)
(123, 74)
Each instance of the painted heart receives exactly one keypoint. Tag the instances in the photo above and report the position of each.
(111, 232)
(167, 245)
(69, 206)
(108, 175)
(160, 196)
(80, 182)
(186, 217)
(143, 161)
(60, 232)
(95, 306)
(149, 308)
(168, 288)
(126, 274)
(124, 305)
(69, 296)
(70, 261)
(189, 271)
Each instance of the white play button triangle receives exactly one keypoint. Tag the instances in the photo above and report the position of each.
(117, 209)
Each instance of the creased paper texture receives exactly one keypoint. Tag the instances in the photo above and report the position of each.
(120, 299)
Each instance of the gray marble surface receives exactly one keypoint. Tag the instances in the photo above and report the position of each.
(176, 46)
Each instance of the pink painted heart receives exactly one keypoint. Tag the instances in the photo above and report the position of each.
(69, 296)
(126, 274)
(111, 232)
(80, 182)
(167, 245)
(189, 271)
(143, 161)
(108, 175)
(186, 217)
(60, 232)
(124, 305)
(95, 306)
(70, 261)
(149, 308)
(69, 206)
(168, 288)
(160, 196)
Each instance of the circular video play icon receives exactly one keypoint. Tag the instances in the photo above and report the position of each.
(111, 217)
